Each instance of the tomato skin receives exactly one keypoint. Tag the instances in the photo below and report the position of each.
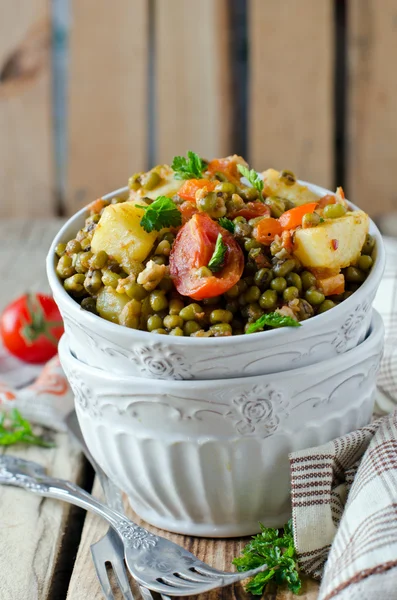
(293, 218)
(252, 210)
(193, 248)
(31, 327)
(188, 189)
(266, 230)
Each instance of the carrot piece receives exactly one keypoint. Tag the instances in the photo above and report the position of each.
(333, 285)
(188, 189)
(266, 230)
(97, 205)
(293, 218)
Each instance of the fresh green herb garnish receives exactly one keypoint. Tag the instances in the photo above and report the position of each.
(252, 176)
(277, 551)
(15, 429)
(191, 167)
(322, 220)
(227, 224)
(218, 257)
(161, 213)
(273, 319)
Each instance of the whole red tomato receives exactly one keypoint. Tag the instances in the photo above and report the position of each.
(31, 327)
(193, 248)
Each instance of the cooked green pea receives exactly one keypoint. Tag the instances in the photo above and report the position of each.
(164, 247)
(169, 237)
(73, 247)
(293, 279)
(172, 321)
(276, 247)
(250, 244)
(65, 267)
(287, 177)
(233, 292)
(315, 297)
(221, 329)
(159, 259)
(211, 301)
(226, 187)
(232, 306)
(60, 249)
(75, 283)
(242, 230)
(154, 322)
(253, 222)
(290, 293)
(191, 327)
(150, 180)
(191, 312)
(221, 316)
(158, 301)
(334, 211)
(208, 203)
(134, 182)
(85, 243)
(110, 278)
(239, 219)
(135, 290)
(177, 331)
(89, 304)
(326, 305)
(278, 284)
(308, 280)
(268, 300)
(253, 311)
(160, 331)
(365, 262)
(354, 275)
(99, 260)
(282, 268)
(175, 306)
(369, 245)
(93, 282)
(250, 194)
(204, 272)
(85, 260)
(166, 284)
(276, 205)
(310, 220)
(252, 294)
(263, 277)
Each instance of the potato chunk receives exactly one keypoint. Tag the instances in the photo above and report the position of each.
(120, 234)
(334, 244)
(296, 193)
(167, 186)
(110, 304)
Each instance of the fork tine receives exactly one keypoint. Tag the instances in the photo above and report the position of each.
(122, 580)
(100, 568)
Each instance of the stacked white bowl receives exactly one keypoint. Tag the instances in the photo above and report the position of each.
(197, 431)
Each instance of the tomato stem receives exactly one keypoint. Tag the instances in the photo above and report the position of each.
(38, 326)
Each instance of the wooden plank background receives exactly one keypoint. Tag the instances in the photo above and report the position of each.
(147, 80)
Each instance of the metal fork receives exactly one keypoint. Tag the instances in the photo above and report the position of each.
(109, 549)
(156, 563)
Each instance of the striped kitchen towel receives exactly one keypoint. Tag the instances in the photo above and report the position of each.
(344, 493)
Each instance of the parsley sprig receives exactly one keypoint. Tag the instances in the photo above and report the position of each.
(191, 167)
(15, 429)
(227, 224)
(161, 213)
(276, 550)
(273, 319)
(218, 258)
(252, 176)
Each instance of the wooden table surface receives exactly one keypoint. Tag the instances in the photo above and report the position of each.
(45, 544)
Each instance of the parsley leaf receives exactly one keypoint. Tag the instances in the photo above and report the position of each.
(161, 213)
(322, 220)
(15, 429)
(218, 257)
(227, 224)
(252, 176)
(191, 167)
(276, 550)
(273, 319)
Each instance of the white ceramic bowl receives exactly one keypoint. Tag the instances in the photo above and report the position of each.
(210, 458)
(108, 346)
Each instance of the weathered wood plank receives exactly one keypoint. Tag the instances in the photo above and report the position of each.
(192, 78)
(291, 87)
(107, 105)
(26, 173)
(371, 110)
(219, 553)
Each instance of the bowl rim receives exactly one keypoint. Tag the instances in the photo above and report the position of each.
(376, 332)
(125, 332)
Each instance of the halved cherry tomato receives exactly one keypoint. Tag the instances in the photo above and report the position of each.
(325, 200)
(31, 327)
(252, 210)
(266, 230)
(193, 248)
(293, 218)
(188, 209)
(190, 187)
